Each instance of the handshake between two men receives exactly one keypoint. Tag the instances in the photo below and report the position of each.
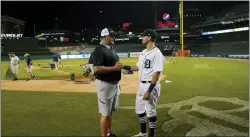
(120, 66)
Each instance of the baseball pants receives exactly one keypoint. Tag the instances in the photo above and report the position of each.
(173, 54)
(29, 69)
(148, 106)
(14, 69)
(56, 65)
(108, 97)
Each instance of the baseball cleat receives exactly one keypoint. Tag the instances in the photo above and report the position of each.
(34, 76)
(28, 79)
(141, 135)
(15, 79)
(112, 135)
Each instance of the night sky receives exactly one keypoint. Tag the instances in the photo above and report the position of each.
(80, 15)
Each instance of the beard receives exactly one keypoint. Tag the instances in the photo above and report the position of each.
(145, 43)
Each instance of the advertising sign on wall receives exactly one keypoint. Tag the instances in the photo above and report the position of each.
(75, 56)
(11, 36)
(74, 53)
(122, 55)
(135, 54)
(239, 56)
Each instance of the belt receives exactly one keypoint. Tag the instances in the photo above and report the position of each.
(145, 81)
(110, 82)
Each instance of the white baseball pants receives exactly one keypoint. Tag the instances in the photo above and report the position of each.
(148, 106)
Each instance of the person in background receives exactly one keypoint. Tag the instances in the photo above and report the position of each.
(14, 65)
(173, 54)
(29, 63)
(59, 60)
(55, 60)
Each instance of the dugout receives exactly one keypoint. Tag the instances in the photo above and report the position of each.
(11, 25)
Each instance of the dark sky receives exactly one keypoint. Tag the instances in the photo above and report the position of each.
(79, 15)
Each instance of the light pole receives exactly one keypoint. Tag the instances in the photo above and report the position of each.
(181, 26)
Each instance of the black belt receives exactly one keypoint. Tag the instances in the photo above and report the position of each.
(145, 81)
(110, 82)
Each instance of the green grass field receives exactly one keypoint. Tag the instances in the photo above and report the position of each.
(76, 114)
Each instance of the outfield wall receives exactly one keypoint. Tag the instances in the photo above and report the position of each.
(35, 57)
(86, 55)
(221, 56)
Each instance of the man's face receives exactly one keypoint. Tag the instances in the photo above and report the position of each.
(145, 40)
(110, 40)
(12, 55)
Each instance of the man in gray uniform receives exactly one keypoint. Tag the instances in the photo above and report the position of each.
(107, 71)
(173, 53)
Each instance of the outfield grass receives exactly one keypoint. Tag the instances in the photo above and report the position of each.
(69, 114)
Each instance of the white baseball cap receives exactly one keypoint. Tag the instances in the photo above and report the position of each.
(107, 32)
(26, 55)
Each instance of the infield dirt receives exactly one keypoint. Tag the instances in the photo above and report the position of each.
(129, 84)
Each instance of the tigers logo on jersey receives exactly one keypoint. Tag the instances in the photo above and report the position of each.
(147, 64)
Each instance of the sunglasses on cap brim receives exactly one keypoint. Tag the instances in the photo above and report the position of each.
(145, 36)
(113, 35)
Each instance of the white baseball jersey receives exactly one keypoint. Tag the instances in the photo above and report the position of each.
(150, 62)
(14, 61)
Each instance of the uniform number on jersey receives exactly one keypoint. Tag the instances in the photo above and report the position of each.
(147, 64)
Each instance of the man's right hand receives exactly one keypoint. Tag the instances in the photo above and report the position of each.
(118, 66)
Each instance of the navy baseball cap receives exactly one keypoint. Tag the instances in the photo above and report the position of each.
(150, 32)
(108, 32)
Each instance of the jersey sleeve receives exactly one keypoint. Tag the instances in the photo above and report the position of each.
(138, 62)
(159, 62)
(96, 57)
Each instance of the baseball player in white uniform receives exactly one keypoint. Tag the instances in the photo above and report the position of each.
(14, 65)
(150, 67)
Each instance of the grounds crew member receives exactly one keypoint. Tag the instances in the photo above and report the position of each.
(59, 60)
(55, 59)
(150, 66)
(173, 53)
(29, 64)
(107, 72)
(14, 65)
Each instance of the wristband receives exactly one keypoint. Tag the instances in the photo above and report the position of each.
(151, 87)
(126, 67)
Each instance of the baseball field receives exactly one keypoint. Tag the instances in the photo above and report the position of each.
(206, 97)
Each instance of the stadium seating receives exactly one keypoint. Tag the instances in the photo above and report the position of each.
(124, 47)
(138, 48)
(232, 48)
(88, 49)
(233, 13)
(23, 45)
